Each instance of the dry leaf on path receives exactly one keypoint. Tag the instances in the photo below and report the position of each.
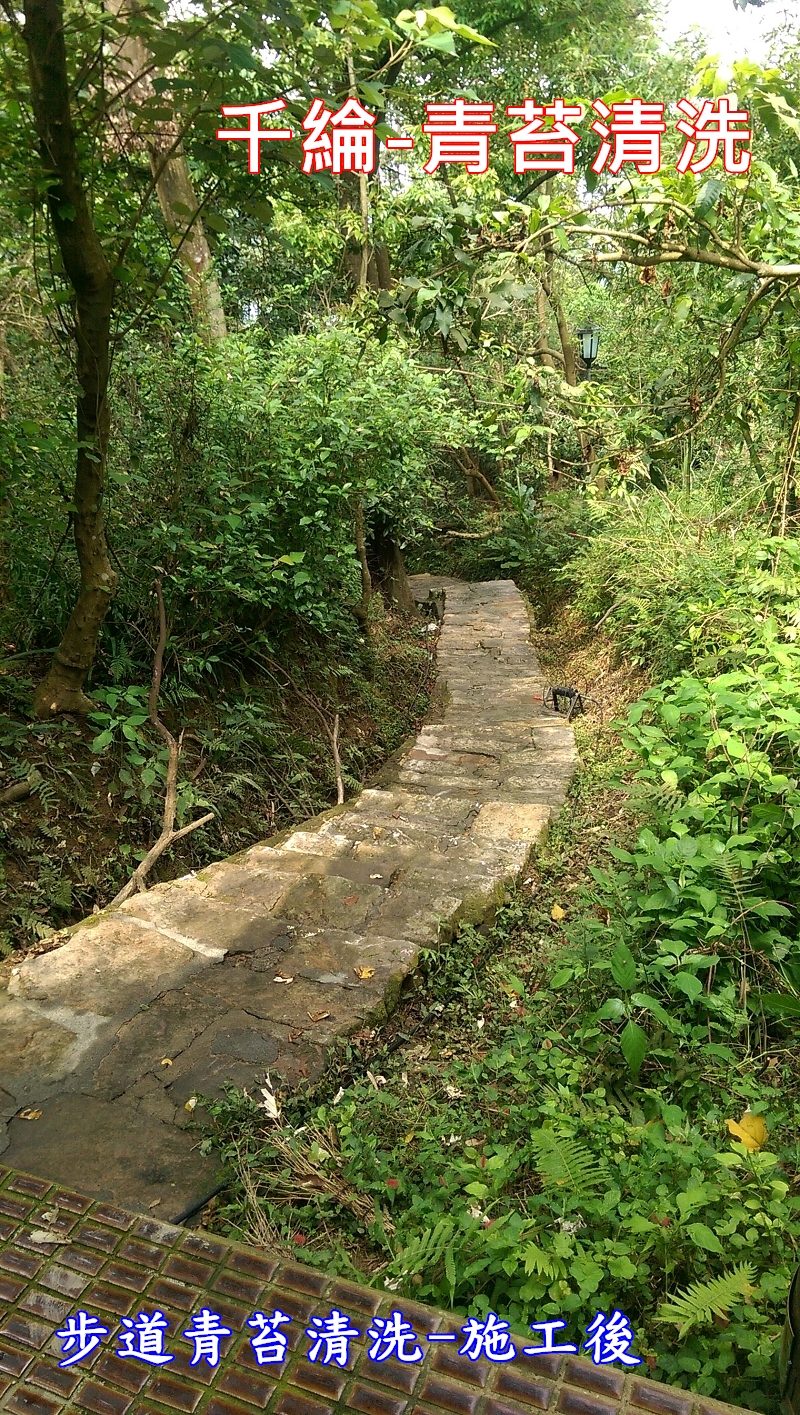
(28, 1114)
(363, 973)
(295, 1034)
(558, 913)
(351, 899)
(750, 1130)
(166, 1061)
(318, 1016)
(282, 978)
(190, 1104)
(154, 1204)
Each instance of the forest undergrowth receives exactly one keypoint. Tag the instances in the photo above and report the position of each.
(593, 1103)
(256, 752)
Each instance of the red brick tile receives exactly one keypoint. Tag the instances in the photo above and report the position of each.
(111, 1299)
(131, 1375)
(397, 1374)
(301, 1280)
(26, 1184)
(97, 1238)
(65, 1199)
(363, 1300)
(599, 1379)
(374, 1402)
(252, 1265)
(15, 1261)
(291, 1403)
(44, 1304)
(659, 1400)
(575, 1402)
(93, 1396)
(52, 1377)
(81, 1261)
(156, 1232)
(116, 1218)
(449, 1396)
(134, 1251)
(525, 1388)
(164, 1291)
(14, 1208)
(69, 1284)
(27, 1401)
(447, 1360)
(201, 1246)
(239, 1287)
(123, 1275)
(10, 1288)
(170, 1391)
(12, 1361)
(186, 1270)
(244, 1387)
(29, 1333)
(7, 1227)
(329, 1381)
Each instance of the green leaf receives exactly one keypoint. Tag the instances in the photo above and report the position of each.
(687, 983)
(682, 308)
(781, 1004)
(634, 1046)
(704, 1237)
(623, 967)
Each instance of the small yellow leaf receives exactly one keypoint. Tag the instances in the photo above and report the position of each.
(166, 1061)
(364, 973)
(557, 912)
(408, 1138)
(318, 1016)
(190, 1104)
(29, 1114)
(750, 1130)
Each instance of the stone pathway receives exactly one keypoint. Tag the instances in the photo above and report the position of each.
(259, 961)
(61, 1253)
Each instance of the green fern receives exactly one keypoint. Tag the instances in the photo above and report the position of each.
(543, 1264)
(702, 1301)
(566, 1165)
(425, 1251)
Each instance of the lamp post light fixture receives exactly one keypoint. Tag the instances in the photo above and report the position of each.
(589, 337)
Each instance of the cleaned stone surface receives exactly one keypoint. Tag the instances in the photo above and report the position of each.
(257, 962)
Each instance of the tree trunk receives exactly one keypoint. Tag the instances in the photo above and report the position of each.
(394, 580)
(361, 610)
(176, 194)
(91, 278)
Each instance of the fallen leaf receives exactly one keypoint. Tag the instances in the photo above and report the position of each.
(376, 1081)
(154, 1204)
(376, 876)
(318, 1016)
(339, 1095)
(28, 1114)
(295, 1034)
(453, 1092)
(41, 1235)
(270, 1101)
(751, 1130)
(351, 899)
(408, 1138)
(190, 1104)
(281, 978)
(49, 1216)
(481, 1023)
(557, 912)
(363, 973)
(166, 1061)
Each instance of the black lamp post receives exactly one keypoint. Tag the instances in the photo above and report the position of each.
(589, 336)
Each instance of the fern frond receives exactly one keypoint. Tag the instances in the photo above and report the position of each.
(543, 1264)
(567, 1165)
(702, 1301)
(655, 796)
(424, 1250)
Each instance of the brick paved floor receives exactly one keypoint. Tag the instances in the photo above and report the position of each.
(61, 1252)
